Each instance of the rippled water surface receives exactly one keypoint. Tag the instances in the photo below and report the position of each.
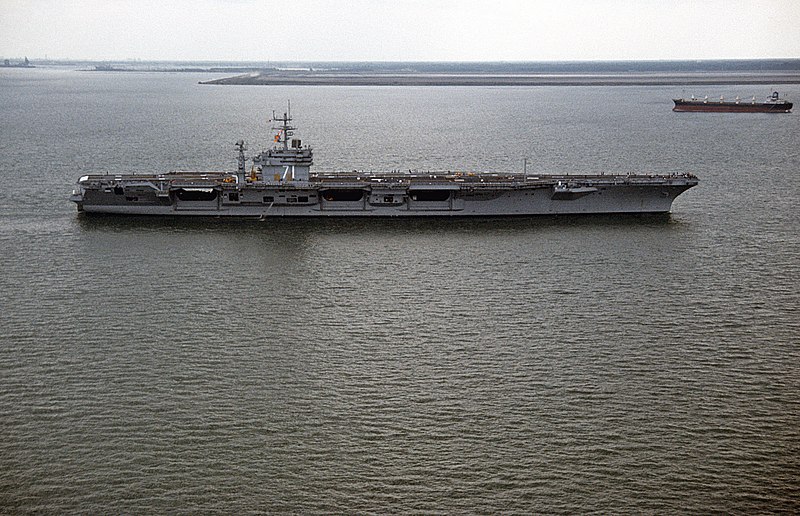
(530, 365)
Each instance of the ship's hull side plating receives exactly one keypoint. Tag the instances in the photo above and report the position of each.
(280, 184)
(773, 104)
(350, 197)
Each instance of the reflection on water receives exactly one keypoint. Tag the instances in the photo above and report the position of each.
(535, 364)
(378, 224)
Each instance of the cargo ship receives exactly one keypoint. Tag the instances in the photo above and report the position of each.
(773, 104)
(279, 183)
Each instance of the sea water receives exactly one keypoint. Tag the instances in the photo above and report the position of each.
(572, 364)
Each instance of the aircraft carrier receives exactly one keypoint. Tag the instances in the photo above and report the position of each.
(279, 183)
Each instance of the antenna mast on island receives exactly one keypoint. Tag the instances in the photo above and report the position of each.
(285, 130)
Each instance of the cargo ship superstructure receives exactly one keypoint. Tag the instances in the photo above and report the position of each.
(773, 104)
(279, 183)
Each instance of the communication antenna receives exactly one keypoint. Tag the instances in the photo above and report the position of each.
(241, 146)
(285, 130)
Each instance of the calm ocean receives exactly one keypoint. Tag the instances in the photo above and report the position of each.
(534, 365)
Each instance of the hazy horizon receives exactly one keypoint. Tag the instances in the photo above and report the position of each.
(48, 58)
(405, 31)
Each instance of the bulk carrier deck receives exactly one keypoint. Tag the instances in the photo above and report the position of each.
(280, 184)
(773, 104)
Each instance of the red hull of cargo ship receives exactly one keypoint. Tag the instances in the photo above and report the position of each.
(773, 104)
(731, 107)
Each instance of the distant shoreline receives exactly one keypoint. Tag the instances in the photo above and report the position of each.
(311, 78)
(768, 72)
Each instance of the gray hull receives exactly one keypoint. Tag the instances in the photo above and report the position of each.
(280, 184)
(341, 196)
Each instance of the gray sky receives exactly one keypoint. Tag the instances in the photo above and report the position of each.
(399, 30)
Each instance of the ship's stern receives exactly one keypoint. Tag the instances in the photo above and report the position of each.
(78, 192)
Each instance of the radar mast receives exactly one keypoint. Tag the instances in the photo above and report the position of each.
(284, 129)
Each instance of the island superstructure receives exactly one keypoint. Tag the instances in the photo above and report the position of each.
(279, 183)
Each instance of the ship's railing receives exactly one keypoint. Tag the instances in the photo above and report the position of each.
(489, 180)
(389, 181)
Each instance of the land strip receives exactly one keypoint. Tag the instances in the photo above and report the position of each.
(311, 78)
